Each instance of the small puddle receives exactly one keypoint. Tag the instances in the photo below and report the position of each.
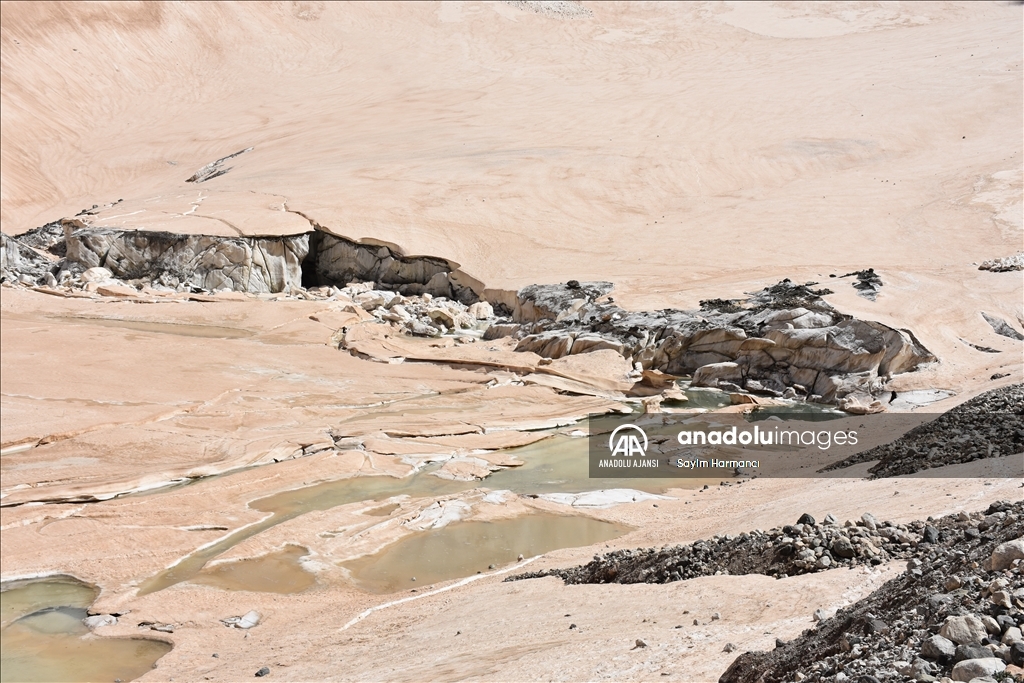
(43, 637)
(179, 329)
(466, 548)
(278, 572)
(703, 397)
(561, 464)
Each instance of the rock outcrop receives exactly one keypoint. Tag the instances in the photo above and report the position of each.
(1004, 264)
(205, 262)
(783, 337)
(58, 252)
(19, 262)
(1001, 327)
(338, 261)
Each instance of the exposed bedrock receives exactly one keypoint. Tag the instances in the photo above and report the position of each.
(783, 337)
(245, 264)
(257, 264)
(338, 261)
(21, 263)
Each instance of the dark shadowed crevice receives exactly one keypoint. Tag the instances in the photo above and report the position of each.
(310, 277)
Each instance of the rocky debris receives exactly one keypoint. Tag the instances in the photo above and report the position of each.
(1006, 554)
(196, 262)
(51, 237)
(214, 168)
(420, 316)
(802, 548)
(1004, 264)
(336, 261)
(264, 671)
(99, 620)
(20, 263)
(564, 9)
(943, 620)
(55, 255)
(1002, 328)
(556, 302)
(987, 426)
(784, 337)
(868, 283)
(980, 347)
(784, 340)
(246, 621)
(159, 628)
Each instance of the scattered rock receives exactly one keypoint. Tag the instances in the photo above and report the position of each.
(974, 668)
(1004, 264)
(938, 647)
(917, 612)
(815, 350)
(1005, 554)
(264, 671)
(963, 630)
(100, 620)
(989, 425)
(246, 621)
(868, 283)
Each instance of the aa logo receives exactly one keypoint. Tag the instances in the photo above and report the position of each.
(625, 440)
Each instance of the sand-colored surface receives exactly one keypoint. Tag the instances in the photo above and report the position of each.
(682, 151)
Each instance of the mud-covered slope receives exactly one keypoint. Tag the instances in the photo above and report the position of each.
(987, 426)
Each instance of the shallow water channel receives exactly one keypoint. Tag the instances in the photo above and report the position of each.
(555, 465)
(43, 638)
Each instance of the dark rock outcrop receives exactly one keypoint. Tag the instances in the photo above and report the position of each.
(338, 261)
(254, 264)
(785, 336)
(245, 264)
(1001, 327)
(868, 283)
